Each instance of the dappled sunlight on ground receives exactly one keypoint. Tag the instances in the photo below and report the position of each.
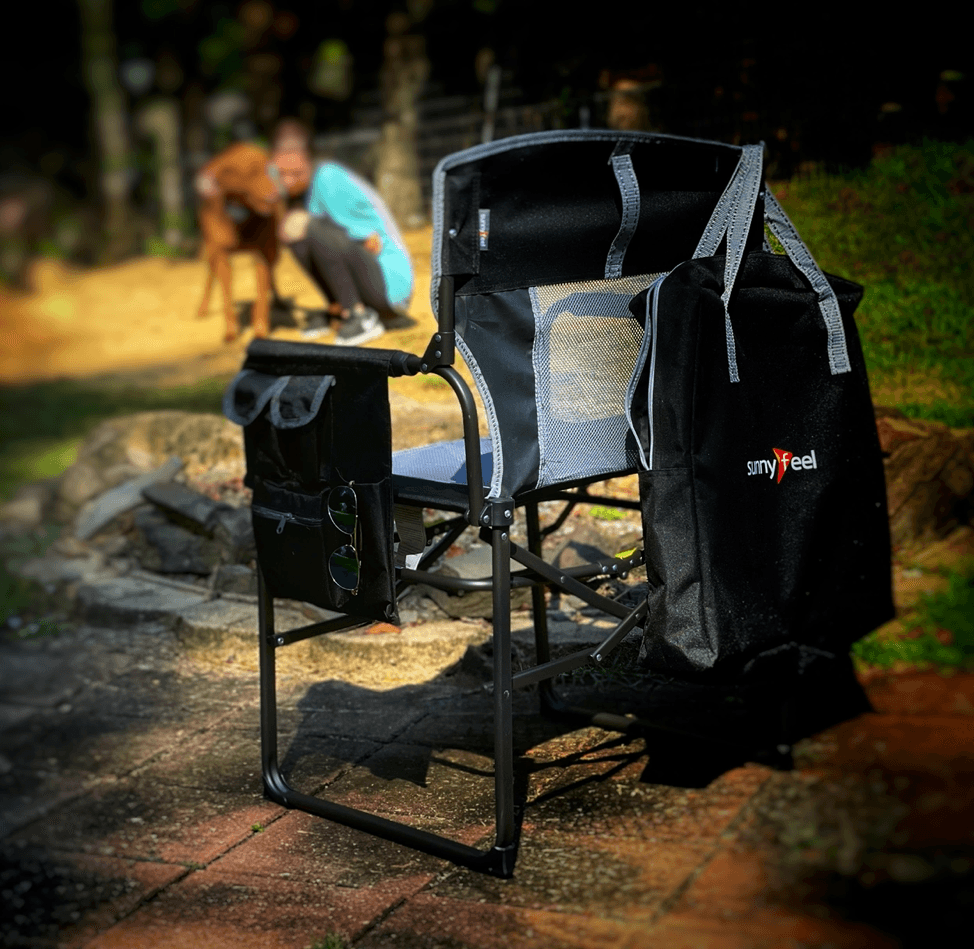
(142, 313)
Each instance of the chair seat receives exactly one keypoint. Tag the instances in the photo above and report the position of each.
(436, 475)
(442, 461)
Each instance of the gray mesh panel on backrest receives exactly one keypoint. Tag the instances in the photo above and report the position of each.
(585, 348)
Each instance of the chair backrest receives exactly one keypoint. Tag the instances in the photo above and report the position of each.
(548, 237)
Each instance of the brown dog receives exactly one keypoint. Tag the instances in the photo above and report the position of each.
(240, 208)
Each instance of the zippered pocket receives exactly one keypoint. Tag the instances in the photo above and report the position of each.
(297, 540)
(284, 518)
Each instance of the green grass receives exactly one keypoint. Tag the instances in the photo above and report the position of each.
(904, 228)
(41, 425)
(27, 610)
(331, 941)
(603, 513)
(942, 632)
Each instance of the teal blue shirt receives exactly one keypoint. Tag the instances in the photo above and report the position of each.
(354, 205)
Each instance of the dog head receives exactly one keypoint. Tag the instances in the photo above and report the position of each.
(240, 174)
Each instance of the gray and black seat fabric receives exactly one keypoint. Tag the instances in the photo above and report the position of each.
(540, 242)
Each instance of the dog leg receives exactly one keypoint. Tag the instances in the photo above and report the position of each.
(261, 315)
(221, 266)
(204, 307)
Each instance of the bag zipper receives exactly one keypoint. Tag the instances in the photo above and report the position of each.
(284, 517)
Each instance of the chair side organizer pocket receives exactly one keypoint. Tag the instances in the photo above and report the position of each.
(307, 556)
(322, 536)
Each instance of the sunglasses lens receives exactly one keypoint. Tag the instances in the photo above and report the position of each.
(342, 508)
(343, 567)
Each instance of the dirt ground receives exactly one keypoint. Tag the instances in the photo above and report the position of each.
(141, 315)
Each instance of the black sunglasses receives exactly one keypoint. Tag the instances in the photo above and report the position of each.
(343, 564)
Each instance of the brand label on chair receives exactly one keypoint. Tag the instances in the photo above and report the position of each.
(483, 227)
(783, 460)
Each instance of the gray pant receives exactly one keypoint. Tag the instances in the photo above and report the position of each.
(342, 268)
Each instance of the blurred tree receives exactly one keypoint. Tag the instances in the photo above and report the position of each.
(160, 120)
(100, 68)
(404, 71)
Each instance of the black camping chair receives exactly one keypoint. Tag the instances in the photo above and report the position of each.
(539, 244)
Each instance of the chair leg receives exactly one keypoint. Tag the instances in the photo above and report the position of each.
(549, 701)
(275, 787)
(499, 860)
(503, 692)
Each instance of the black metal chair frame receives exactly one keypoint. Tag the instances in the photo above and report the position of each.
(493, 518)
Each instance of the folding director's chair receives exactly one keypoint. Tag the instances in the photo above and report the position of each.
(539, 243)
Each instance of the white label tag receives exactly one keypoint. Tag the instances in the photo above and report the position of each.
(483, 232)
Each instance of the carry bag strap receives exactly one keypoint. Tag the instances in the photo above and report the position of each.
(780, 225)
(732, 217)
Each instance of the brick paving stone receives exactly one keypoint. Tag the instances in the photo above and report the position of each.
(227, 760)
(438, 790)
(905, 744)
(623, 878)
(135, 881)
(340, 708)
(102, 745)
(219, 910)
(303, 848)
(763, 929)
(148, 821)
(171, 694)
(923, 693)
(738, 893)
(618, 803)
(430, 921)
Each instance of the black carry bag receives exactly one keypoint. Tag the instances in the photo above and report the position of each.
(317, 437)
(763, 495)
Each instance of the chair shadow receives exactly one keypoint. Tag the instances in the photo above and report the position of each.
(688, 733)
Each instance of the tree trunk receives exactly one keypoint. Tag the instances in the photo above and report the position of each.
(404, 72)
(160, 121)
(100, 69)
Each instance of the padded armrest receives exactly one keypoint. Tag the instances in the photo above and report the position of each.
(280, 358)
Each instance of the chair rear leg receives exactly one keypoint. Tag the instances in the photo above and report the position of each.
(549, 701)
(275, 787)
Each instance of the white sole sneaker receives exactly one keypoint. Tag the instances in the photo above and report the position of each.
(359, 328)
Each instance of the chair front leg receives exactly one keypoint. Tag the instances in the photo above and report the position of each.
(503, 691)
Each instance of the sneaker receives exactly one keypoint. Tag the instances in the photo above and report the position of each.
(359, 328)
(314, 326)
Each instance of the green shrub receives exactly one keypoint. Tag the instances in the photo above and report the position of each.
(904, 228)
(943, 632)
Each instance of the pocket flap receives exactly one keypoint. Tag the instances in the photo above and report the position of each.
(294, 400)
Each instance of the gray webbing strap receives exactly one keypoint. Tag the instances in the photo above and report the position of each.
(412, 535)
(782, 228)
(629, 189)
(732, 216)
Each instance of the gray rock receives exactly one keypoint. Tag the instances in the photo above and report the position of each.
(132, 599)
(235, 578)
(123, 498)
(165, 547)
(234, 533)
(186, 504)
(28, 507)
(120, 447)
(929, 478)
(79, 484)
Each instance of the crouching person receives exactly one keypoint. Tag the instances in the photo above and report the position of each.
(342, 234)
